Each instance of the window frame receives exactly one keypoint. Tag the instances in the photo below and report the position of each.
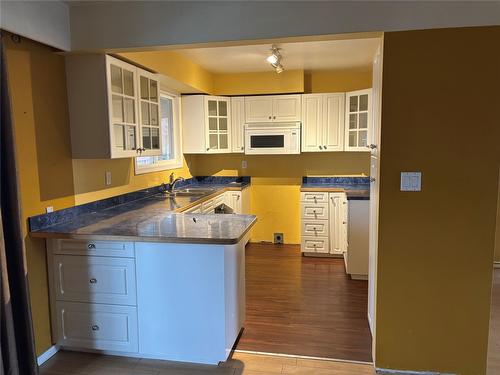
(178, 161)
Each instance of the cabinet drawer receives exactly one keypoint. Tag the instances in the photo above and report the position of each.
(208, 207)
(315, 228)
(314, 211)
(96, 248)
(95, 279)
(94, 326)
(313, 197)
(218, 200)
(314, 244)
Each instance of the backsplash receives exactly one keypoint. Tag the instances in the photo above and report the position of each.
(39, 222)
(336, 180)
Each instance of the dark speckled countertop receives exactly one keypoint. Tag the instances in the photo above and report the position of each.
(356, 188)
(156, 218)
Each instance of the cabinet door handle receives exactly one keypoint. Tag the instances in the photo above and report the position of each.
(208, 148)
(372, 179)
(95, 327)
(91, 246)
(274, 117)
(93, 280)
(324, 147)
(269, 117)
(242, 148)
(321, 147)
(344, 222)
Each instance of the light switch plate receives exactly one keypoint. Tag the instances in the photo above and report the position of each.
(244, 164)
(49, 209)
(411, 181)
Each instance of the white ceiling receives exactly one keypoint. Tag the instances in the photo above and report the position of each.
(315, 55)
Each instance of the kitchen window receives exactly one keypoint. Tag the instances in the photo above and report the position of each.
(171, 156)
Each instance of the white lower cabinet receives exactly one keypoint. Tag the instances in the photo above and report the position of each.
(97, 326)
(95, 279)
(338, 223)
(323, 223)
(186, 301)
(93, 294)
(357, 255)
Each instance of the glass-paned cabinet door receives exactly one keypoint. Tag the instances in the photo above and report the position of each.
(358, 117)
(149, 113)
(218, 124)
(124, 134)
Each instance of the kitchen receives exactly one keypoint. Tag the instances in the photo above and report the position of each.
(291, 162)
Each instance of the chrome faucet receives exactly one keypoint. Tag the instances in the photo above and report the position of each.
(172, 182)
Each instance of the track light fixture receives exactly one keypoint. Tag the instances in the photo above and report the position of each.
(275, 59)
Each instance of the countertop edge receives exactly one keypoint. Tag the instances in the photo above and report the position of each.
(107, 237)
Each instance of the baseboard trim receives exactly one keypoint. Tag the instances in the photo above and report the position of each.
(385, 371)
(496, 264)
(48, 354)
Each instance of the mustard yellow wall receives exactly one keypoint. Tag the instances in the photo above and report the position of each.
(275, 190)
(497, 234)
(435, 253)
(47, 174)
(176, 66)
(290, 81)
(340, 80)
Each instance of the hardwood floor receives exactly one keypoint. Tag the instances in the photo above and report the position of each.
(303, 306)
(73, 363)
(494, 344)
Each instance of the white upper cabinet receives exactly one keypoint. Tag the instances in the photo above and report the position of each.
(149, 111)
(357, 120)
(238, 124)
(286, 108)
(206, 124)
(106, 108)
(312, 123)
(258, 109)
(273, 108)
(322, 122)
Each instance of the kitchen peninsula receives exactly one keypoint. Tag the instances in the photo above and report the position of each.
(143, 279)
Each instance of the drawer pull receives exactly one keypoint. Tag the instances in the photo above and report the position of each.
(314, 245)
(95, 327)
(93, 281)
(91, 246)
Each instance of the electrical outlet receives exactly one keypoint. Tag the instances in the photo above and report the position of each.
(108, 178)
(49, 209)
(244, 164)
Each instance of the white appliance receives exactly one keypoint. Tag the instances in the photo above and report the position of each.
(272, 138)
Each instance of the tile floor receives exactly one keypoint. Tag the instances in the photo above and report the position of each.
(73, 363)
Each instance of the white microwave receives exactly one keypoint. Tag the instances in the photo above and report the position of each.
(272, 138)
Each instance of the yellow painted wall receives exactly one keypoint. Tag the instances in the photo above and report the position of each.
(337, 80)
(176, 66)
(275, 191)
(290, 81)
(497, 234)
(435, 252)
(47, 174)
